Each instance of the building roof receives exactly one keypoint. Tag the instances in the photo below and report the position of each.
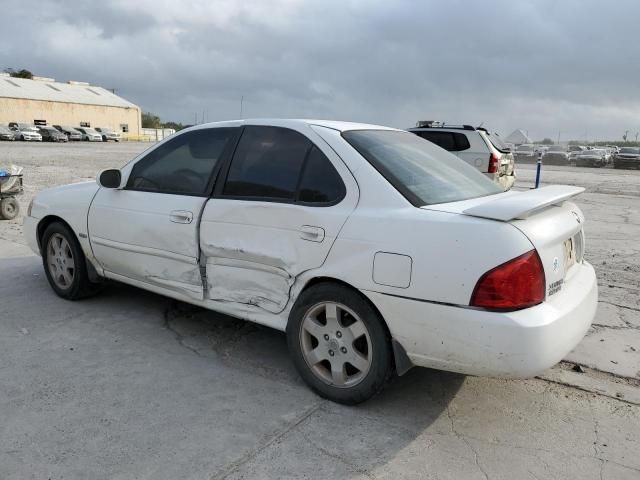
(518, 137)
(49, 90)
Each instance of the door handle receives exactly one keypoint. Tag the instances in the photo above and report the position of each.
(181, 216)
(312, 233)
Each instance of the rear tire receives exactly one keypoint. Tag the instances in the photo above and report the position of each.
(339, 344)
(65, 264)
(9, 208)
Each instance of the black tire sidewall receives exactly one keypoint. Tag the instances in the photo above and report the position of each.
(80, 284)
(382, 365)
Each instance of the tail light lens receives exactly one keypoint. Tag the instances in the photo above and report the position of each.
(514, 285)
(493, 163)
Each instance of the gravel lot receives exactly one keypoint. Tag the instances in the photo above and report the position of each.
(133, 385)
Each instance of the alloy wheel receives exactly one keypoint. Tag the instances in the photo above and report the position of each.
(62, 267)
(336, 344)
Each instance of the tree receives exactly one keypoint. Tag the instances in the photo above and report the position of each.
(546, 141)
(149, 120)
(175, 125)
(22, 73)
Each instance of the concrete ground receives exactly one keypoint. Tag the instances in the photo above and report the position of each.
(131, 385)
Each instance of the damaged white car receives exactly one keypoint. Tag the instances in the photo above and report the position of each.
(371, 247)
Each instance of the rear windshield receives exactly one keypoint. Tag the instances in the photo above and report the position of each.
(424, 173)
(629, 150)
(497, 142)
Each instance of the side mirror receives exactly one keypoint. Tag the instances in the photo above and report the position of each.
(110, 178)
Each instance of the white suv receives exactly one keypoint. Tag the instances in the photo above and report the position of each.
(478, 147)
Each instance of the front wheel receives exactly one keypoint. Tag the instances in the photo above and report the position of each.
(65, 264)
(9, 208)
(339, 344)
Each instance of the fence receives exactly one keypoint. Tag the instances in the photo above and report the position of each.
(149, 135)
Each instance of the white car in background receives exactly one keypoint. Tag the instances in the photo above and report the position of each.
(89, 134)
(480, 148)
(373, 249)
(25, 132)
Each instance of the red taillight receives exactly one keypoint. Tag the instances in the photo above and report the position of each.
(516, 284)
(493, 163)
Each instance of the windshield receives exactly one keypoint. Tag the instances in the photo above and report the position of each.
(4, 129)
(89, 130)
(629, 150)
(421, 171)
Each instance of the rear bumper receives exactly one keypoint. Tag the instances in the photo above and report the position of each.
(475, 342)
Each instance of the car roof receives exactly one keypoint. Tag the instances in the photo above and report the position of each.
(297, 122)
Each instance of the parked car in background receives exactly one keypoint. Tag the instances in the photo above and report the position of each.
(525, 153)
(556, 155)
(50, 134)
(574, 150)
(476, 146)
(71, 133)
(25, 132)
(591, 158)
(627, 157)
(6, 133)
(373, 249)
(89, 134)
(614, 149)
(108, 134)
(540, 150)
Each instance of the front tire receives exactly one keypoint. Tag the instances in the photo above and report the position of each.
(65, 264)
(9, 208)
(339, 344)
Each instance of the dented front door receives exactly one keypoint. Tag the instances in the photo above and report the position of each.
(148, 237)
(147, 230)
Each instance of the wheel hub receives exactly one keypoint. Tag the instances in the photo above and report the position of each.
(333, 344)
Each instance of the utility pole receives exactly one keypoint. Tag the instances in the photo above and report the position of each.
(195, 121)
(241, 102)
(558, 138)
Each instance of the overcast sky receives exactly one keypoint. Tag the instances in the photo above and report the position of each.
(544, 66)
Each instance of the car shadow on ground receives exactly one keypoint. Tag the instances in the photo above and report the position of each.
(421, 394)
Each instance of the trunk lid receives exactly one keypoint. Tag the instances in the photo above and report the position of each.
(552, 224)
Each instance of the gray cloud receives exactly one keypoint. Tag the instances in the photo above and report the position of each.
(546, 66)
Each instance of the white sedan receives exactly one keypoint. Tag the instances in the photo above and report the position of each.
(89, 134)
(374, 249)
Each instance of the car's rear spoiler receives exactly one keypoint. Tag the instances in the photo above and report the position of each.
(521, 205)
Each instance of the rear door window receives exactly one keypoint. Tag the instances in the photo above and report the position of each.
(320, 182)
